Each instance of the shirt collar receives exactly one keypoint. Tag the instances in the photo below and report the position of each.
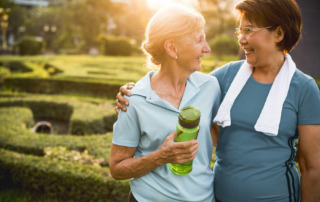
(143, 88)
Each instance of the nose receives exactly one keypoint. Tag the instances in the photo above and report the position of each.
(242, 39)
(206, 48)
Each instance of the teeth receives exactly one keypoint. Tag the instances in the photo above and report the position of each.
(248, 50)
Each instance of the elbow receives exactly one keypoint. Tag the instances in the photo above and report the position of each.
(114, 174)
(117, 175)
(311, 172)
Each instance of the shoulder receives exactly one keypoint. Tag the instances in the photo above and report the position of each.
(204, 79)
(301, 77)
(227, 69)
(303, 81)
(202, 76)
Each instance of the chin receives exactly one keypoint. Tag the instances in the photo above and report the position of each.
(249, 61)
(198, 68)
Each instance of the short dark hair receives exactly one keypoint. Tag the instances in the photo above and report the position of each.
(283, 13)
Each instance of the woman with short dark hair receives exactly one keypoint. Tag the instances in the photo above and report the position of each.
(267, 104)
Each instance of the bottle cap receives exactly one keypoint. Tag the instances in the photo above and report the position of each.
(189, 117)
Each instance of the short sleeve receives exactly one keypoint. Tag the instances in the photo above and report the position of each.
(126, 131)
(309, 105)
(217, 99)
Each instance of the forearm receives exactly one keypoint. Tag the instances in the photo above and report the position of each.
(310, 185)
(136, 167)
(309, 162)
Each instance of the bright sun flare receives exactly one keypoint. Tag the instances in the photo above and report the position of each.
(156, 4)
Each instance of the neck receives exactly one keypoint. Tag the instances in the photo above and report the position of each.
(169, 83)
(170, 76)
(267, 73)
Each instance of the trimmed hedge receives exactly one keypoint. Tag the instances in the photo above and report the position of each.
(16, 66)
(60, 179)
(224, 45)
(55, 86)
(115, 45)
(83, 117)
(15, 136)
(52, 177)
(30, 45)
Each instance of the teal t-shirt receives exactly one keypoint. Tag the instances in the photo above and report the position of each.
(150, 119)
(251, 166)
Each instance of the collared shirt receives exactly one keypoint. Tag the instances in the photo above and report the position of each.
(150, 119)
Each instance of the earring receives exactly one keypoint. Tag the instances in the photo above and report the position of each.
(176, 57)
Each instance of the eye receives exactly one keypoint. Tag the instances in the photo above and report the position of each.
(246, 30)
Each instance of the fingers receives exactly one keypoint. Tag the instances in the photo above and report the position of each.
(130, 85)
(122, 100)
(171, 136)
(177, 152)
(120, 106)
(117, 110)
(186, 144)
(124, 90)
(185, 155)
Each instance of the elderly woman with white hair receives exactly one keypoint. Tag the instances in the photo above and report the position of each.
(143, 137)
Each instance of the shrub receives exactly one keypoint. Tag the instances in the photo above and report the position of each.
(17, 67)
(55, 86)
(4, 72)
(84, 118)
(29, 45)
(113, 45)
(52, 70)
(224, 45)
(60, 179)
(62, 153)
(15, 136)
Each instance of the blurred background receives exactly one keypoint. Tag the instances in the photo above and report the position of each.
(83, 26)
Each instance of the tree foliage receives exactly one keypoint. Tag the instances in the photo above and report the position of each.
(76, 24)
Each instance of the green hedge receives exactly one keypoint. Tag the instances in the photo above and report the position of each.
(15, 135)
(52, 177)
(115, 45)
(43, 109)
(83, 117)
(60, 179)
(224, 45)
(30, 45)
(16, 66)
(56, 86)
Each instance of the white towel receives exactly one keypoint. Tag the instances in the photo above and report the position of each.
(270, 116)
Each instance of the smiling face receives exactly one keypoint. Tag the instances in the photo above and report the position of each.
(190, 49)
(259, 46)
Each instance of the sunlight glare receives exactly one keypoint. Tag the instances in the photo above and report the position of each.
(157, 4)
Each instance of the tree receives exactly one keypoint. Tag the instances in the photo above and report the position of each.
(218, 14)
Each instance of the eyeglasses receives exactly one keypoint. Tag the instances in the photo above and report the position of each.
(247, 31)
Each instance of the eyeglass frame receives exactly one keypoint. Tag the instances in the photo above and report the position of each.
(251, 30)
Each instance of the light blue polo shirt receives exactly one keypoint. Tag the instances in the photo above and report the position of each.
(150, 119)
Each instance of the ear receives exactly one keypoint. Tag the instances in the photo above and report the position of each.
(170, 48)
(279, 33)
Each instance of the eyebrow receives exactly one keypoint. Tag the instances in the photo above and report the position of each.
(249, 26)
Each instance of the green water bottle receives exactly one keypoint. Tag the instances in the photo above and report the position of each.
(187, 129)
